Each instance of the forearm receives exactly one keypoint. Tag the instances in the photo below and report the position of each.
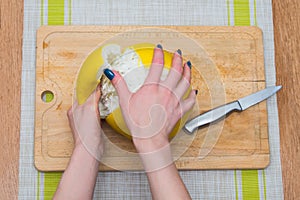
(78, 180)
(166, 183)
(164, 179)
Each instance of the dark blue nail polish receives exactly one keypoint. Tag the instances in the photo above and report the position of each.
(109, 74)
(196, 92)
(159, 46)
(189, 64)
(179, 52)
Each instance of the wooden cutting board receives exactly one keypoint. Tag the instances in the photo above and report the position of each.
(228, 64)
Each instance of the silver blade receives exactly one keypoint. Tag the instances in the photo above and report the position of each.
(257, 97)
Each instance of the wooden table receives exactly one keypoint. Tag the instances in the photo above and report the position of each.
(287, 50)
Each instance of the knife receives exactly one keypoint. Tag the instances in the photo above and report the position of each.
(221, 111)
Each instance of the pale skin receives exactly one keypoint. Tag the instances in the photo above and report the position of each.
(78, 180)
(150, 125)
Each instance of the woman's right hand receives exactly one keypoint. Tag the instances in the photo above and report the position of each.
(150, 115)
(152, 112)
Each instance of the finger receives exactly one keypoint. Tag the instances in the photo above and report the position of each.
(175, 72)
(94, 98)
(98, 92)
(185, 81)
(120, 86)
(97, 99)
(156, 66)
(189, 102)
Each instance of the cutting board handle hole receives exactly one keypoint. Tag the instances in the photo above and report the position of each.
(47, 96)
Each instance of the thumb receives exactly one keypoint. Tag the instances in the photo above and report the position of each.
(94, 97)
(120, 86)
(97, 99)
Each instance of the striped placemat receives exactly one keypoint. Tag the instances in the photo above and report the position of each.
(210, 184)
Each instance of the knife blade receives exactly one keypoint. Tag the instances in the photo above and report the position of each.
(221, 111)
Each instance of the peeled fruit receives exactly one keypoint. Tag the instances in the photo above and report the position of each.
(133, 64)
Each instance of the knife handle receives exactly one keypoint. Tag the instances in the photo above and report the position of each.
(211, 116)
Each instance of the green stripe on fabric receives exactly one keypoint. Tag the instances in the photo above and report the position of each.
(228, 12)
(42, 12)
(38, 183)
(50, 184)
(236, 186)
(255, 19)
(250, 185)
(56, 16)
(241, 13)
(56, 9)
(70, 12)
(264, 178)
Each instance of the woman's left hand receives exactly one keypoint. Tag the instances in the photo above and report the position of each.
(85, 124)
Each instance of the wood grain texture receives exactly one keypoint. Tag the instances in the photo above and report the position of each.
(285, 29)
(11, 20)
(287, 54)
(230, 67)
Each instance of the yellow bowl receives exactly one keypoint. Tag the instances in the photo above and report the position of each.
(88, 79)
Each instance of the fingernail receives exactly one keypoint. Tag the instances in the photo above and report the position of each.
(179, 52)
(159, 46)
(189, 64)
(109, 74)
(196, 92)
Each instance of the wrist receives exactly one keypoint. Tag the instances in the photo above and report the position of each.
(146, 145)
(89, 153)
(158, 159)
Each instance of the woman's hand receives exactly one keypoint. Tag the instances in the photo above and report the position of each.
(84, 121)
(152, 112)
(79, 179)
(150, 115)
